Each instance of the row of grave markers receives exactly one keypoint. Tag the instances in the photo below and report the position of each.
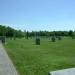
(53, 39)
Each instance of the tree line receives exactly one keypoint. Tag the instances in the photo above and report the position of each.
(51, 33)
(10, 32)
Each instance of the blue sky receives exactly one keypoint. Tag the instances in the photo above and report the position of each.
(38, 14)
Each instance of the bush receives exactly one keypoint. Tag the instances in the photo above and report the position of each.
(59, 38)
(37, 41)
(53, 39)
(73, 37)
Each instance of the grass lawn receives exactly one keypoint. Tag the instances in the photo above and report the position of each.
(31, 59)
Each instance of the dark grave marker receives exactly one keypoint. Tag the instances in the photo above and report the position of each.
(37, 38)
(37, 41)
(53, 39)
(2, 38)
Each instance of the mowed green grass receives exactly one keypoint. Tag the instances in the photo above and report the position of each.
(31, 59)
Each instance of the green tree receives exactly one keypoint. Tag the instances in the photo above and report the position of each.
(70, 33)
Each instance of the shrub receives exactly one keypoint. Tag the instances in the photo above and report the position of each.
(59, 38)
(73, 37)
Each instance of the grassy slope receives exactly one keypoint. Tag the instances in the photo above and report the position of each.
(39, 60)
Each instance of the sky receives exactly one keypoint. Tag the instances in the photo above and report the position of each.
(35, 15)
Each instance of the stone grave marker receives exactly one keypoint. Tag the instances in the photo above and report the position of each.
(70, 71)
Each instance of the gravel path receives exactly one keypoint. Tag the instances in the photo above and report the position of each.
(6, 66)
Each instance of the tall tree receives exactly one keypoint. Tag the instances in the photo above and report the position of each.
(70, 33)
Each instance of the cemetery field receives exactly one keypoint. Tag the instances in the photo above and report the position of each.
(31, 59)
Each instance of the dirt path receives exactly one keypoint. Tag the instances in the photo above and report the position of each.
(6, 66)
